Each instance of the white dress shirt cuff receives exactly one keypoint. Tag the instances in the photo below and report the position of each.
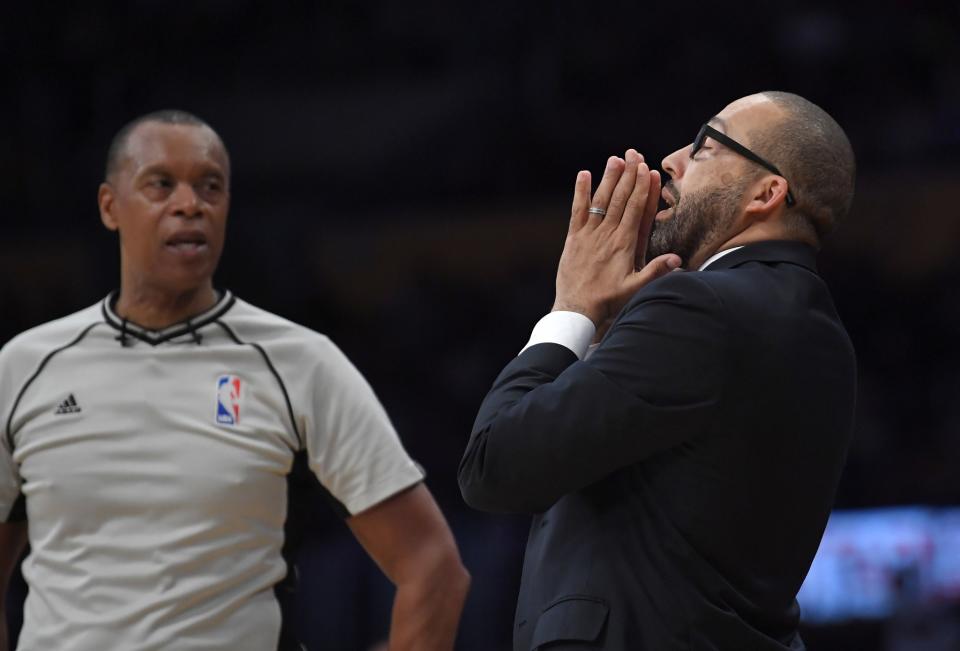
(570, 329)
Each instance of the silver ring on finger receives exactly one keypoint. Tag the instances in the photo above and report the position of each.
(597, 211)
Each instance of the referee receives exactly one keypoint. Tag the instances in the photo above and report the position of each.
(148, 439)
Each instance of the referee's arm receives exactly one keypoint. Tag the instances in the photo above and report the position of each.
(13, 538)
(407, 536)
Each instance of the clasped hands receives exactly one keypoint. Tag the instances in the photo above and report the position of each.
(602, 264)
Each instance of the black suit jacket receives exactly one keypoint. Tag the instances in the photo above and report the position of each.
(682, 475)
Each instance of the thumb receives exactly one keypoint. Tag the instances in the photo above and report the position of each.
(659, 266)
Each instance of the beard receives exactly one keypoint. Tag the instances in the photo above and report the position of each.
(699, 218)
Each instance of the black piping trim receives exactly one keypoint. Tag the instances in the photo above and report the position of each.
(189, 326)
(300, 471)
(283, 387)
(43, 363)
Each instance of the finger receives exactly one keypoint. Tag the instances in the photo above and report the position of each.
(653, 199)
(623, 190)
(611, 175)
(636, 204)
(581, 201)
(649, 213)
(659, 266)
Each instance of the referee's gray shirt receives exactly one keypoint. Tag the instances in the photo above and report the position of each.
(152, 466)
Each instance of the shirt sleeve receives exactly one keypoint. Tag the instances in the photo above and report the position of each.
(569, 329)
(9, 470)
(351, 444)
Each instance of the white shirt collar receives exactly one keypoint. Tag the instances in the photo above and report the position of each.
(716, 256)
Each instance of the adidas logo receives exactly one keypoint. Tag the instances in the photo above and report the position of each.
(68, 406)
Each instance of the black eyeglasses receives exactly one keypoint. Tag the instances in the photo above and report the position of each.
(724, 139)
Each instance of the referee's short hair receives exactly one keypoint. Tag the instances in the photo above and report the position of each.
(118, 144)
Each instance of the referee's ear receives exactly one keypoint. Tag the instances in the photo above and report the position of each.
(105, 198)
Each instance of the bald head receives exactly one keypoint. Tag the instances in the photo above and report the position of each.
(119, 146)
(814, 154)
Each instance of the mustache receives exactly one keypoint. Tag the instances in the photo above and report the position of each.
(671, 189)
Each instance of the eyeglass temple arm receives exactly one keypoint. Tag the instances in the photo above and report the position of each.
(726, 140)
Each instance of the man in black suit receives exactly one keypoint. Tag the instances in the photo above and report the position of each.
(681, 472)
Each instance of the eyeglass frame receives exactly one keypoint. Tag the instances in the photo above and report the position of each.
(706, 130)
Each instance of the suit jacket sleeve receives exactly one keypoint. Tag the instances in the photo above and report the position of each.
(551, 424)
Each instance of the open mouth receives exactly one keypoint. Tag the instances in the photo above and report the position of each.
(187, 242)
(666, 204)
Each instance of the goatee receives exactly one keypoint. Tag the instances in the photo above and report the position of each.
(698, 218)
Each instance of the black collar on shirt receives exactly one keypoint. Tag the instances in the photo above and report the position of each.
(153, 337)
(789, 251)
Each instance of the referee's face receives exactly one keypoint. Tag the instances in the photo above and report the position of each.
(168, 199)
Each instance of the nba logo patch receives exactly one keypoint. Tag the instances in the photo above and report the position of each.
(228, 399)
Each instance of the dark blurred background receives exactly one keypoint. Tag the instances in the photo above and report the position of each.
(402, 176)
